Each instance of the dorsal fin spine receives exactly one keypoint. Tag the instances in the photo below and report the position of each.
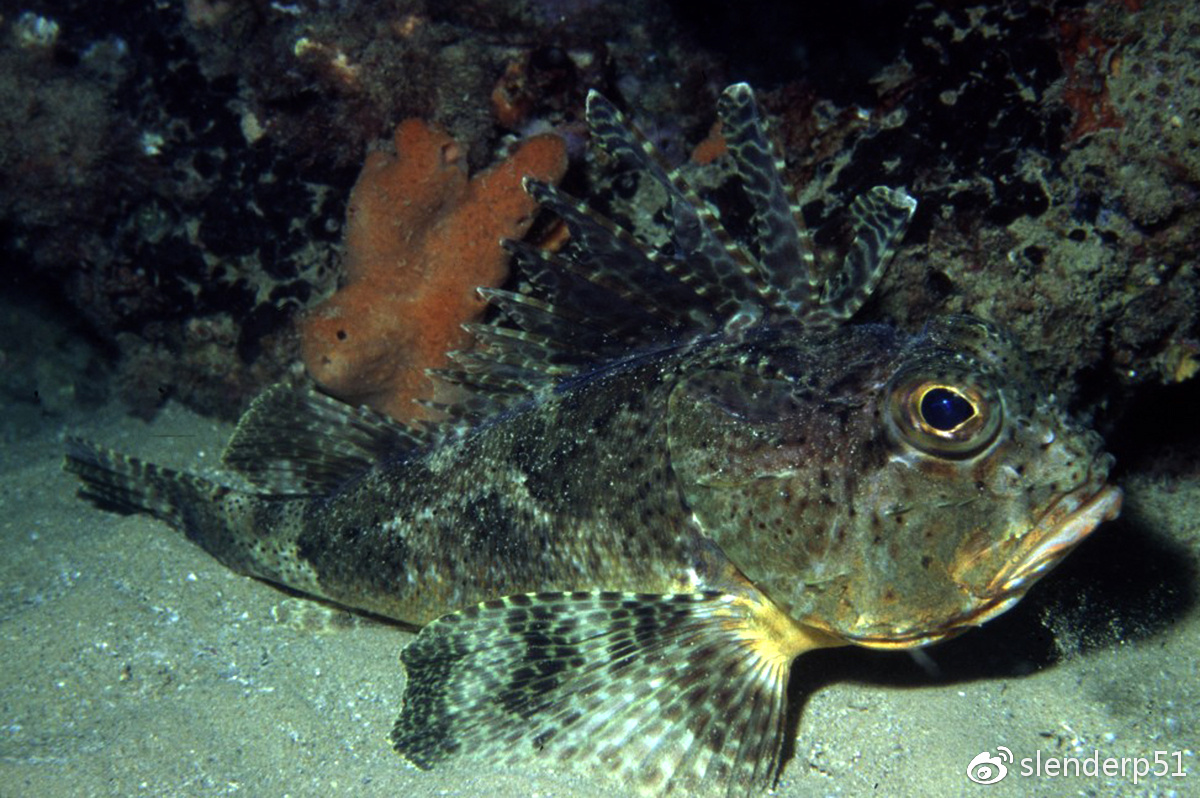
(608, 294)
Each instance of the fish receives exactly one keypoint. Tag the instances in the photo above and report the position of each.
(674, 468)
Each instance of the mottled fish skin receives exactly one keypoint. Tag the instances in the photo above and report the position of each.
(673, 472)
(810, 472)
(543, 501)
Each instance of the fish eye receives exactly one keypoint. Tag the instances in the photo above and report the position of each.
(955, 419)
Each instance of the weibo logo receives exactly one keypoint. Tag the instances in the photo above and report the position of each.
(988, 769)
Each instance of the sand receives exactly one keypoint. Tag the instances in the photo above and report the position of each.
(134, 664)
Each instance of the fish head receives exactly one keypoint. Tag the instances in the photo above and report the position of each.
(891, 491)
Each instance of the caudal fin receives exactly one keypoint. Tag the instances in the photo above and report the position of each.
(125, 484)
(252, 534)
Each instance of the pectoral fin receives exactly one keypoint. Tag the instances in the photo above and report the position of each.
(664, 692)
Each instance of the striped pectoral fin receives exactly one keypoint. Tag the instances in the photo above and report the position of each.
(665, 692)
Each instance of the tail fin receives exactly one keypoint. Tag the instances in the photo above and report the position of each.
(220, 520)
(126, 485)
(251, 533)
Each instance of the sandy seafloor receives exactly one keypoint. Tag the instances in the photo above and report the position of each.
(133, 664)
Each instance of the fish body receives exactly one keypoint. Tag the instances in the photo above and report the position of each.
(672, 474)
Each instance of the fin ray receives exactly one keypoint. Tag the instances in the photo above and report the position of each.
(881, 216)
(715, 267)
(786, 260)
(668, 692)
(608, 295)
(126, 484)
(295, 440)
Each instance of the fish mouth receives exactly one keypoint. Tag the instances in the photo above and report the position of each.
(1068, 521)
(1060, 528)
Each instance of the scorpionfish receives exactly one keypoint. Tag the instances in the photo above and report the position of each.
(675, 468)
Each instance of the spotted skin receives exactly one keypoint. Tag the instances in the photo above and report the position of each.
(674, 471)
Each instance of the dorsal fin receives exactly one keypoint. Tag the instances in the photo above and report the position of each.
(790, 279)
(880, 218)
(295, 440)
(713, 265)
(609, 294)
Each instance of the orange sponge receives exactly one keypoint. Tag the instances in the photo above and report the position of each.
(420, 237)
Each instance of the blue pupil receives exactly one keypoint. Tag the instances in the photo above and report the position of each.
(944, 410)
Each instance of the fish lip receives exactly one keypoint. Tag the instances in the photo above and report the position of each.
(1062, 527)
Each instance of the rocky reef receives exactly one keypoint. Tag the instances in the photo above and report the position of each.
(177, 175)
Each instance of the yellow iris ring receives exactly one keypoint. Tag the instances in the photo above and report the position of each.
(963, 440)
